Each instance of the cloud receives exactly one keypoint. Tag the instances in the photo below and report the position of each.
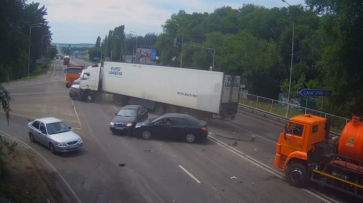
(74, 21)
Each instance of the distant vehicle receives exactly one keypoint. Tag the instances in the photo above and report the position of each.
(200, 93)
(173, 125)
(66, 60)
(126, 119)
(61, 57)
(54, 134)
(74, 90)
(57, 56)
(73, 72)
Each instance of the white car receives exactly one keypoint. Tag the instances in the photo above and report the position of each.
(54, 134)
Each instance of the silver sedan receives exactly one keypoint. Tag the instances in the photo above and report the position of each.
(54, 134)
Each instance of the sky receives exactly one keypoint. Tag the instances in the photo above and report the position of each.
(81, 21)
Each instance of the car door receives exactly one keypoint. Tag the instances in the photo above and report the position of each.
(43, 135)
(178, 128)
(160, 128)
(35, 130)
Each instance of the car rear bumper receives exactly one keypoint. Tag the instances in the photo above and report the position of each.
(69, 148)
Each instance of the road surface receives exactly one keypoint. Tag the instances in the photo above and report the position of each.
(228, 167)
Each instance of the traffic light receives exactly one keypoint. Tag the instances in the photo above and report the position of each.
(69, 47)
(176, 44)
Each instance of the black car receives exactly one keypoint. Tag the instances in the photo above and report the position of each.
(126, 119)
(173, 125)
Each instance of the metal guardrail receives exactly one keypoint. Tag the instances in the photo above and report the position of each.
(276, 110)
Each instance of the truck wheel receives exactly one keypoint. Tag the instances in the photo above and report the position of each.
(159, 109)
(89, 97)
(172, 109)
(296, 175)
(120, 100)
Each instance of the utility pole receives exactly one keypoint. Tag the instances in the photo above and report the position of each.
(30, 35)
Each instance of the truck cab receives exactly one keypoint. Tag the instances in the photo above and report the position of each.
(300, 136)
(91, 80)
(72, 73)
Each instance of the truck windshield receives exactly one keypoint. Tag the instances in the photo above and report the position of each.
(74, 71)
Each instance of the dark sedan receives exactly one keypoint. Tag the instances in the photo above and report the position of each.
(126, 119)
(173, 125)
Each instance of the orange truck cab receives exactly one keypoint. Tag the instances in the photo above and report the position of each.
(73, 72)
(307, 153)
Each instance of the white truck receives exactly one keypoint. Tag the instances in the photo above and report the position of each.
(202, 94)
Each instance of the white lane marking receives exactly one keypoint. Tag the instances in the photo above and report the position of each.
(187, 172)
(268, 169)
(214, 188)
(314, 191)
(74, 107)
(174, 161)
(218, 197)
(114, 107)
(36, 83)
(53, 71)
(250, 132)
(160, 148)
(37, 93)
(29, 147)
(249, 159)
(174, 156)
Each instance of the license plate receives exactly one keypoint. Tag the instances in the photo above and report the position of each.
(119, 128)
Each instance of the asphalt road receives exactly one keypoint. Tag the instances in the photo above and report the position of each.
(228, 167)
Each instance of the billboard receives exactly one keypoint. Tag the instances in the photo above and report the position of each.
(142, 53)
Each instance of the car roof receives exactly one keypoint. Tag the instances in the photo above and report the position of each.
(131, 107)
(47, 120)
(171, 115)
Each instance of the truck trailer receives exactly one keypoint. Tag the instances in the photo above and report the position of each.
(307, 153)
(202, 94)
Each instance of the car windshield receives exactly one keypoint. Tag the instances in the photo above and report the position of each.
(127, 113)
(74, 71)
(58, 127)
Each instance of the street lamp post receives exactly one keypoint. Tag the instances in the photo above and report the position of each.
(30, 34)
(292, 57)
(41, 49)
(136, 42)
(209, 49)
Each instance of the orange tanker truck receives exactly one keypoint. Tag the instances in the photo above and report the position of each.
(72, 73)
(306, 153)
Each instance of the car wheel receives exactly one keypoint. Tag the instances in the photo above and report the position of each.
(52, 148)
(190, 138)
(31, 137)
(146, 135)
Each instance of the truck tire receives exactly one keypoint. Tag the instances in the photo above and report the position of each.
(89, 97)
(120, 100)
(172, 109)
(296, 175)
(159, 109)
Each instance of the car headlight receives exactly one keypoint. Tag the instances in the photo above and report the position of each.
(138, 125)
(61, 143)
(112, 124)
(129, 125)
(80, 140)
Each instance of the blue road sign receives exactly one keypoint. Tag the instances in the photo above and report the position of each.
(313, 93)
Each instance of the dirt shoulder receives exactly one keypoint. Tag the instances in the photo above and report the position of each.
(28, 179)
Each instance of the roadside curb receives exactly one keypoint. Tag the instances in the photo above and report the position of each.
(63, 184)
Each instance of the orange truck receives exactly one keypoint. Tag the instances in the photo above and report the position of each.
(306, 153)
(73, 72)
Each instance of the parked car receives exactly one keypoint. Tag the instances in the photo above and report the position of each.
(74, 91)
(126, 119)
(54, 134)
(173, 125)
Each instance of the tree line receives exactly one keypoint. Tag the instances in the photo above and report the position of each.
(24, 37)
(118, 43)
(256, 43)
